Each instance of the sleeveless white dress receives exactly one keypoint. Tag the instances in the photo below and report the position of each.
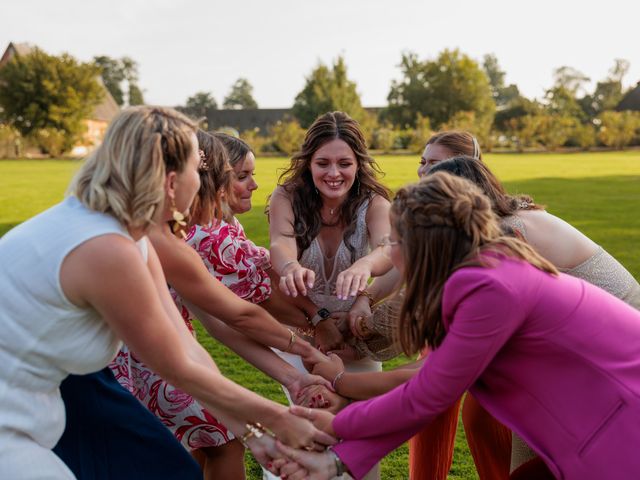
(44, 337)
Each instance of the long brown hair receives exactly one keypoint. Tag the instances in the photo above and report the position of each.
(457, 142)
(298, 182)
(215, 180)
(478, 173)
(444, 223)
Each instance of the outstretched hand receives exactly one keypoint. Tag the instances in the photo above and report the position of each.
(329, 368)
(321, 419)
(300, 464)
(298, 431)
(295, 280)
(317, 396)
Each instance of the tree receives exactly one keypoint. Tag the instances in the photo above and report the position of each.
(569, 79)
(199, 104)
(440, 88)
(503, 95)
(326, 90)
(48, 97)
(241, 96)
(608, 92)
(115, 72)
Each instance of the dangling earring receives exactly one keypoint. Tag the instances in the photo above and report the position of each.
(316, 189)
(178, 221)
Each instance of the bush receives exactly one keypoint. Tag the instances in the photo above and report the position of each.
(51, 141)
(11, 145)
(257, 142)
(618, 129)
(287, 136)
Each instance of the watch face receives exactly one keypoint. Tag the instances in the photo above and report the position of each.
(324, 313)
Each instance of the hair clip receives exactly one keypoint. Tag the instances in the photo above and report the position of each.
(203, 162)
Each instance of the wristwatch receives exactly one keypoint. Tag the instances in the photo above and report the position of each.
(321, 315)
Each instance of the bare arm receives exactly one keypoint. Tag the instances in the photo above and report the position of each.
(258, 355)
(355, 278)
(190, 278)
(294, 278)
(364, 385)
(108, 274)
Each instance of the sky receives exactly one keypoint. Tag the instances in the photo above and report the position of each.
(198, 45)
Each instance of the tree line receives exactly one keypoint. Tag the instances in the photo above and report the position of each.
(44, 98)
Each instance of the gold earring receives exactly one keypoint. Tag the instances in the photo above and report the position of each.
(177, 227)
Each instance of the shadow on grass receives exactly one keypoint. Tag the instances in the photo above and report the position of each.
(5, 227)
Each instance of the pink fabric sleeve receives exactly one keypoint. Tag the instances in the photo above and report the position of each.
(483, 313)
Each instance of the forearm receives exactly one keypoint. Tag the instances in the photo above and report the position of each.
(378, 263)
(232, 404)
(261, 357)
(384, 285)
(282, 255)
(365, 385)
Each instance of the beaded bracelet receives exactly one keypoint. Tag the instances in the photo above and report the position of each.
(254, 429)
(364, 293)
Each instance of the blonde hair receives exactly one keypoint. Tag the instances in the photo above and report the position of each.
(444, 223)
(125, 175)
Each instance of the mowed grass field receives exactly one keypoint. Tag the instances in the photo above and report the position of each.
(599, 193)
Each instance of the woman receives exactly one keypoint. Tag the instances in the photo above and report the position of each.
(530, 343)
(327, 213)
(431, 451)
(100, 281)
(219, 454)
(567, 248)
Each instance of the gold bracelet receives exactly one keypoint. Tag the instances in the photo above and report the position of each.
(254, 429)
(292, 341)
(364, 293)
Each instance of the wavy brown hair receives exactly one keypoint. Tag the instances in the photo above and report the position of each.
(478, 173)
(215, 181)
(297, 181)
(444, 223)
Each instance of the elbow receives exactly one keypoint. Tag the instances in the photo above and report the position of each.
(249, 318)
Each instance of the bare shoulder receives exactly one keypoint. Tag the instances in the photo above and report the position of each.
(98, 260)
(378, 206)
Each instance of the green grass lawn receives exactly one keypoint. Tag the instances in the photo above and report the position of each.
(599, 193)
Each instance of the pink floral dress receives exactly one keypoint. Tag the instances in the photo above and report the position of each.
(240, 265)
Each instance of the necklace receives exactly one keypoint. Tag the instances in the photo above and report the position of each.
(331, 211)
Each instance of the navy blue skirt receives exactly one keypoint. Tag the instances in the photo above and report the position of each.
(110, 435)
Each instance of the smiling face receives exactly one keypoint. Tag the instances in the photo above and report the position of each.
(334, 168)
(243, 184)
(433, 153)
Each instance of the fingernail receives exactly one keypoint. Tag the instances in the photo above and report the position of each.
(269, 465)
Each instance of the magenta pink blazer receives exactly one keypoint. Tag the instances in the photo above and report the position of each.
(555, 359)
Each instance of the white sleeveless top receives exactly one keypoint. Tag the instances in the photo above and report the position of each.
(43, 336)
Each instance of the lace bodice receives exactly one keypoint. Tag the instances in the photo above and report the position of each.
(313, 258)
